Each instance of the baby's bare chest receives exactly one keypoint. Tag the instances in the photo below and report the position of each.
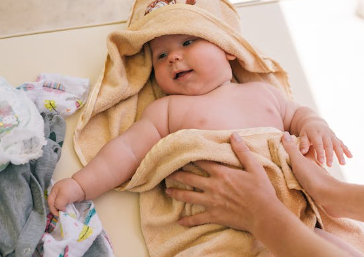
(220, 113)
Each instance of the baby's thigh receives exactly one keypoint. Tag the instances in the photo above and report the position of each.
(339, 242)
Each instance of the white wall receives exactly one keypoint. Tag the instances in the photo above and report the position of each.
(265, 26)
(329, 39)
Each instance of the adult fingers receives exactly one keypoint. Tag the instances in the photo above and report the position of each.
(212, 168)
(244, 154)
(190, 179)
(290, 147)
(188, 196)
(197, 219)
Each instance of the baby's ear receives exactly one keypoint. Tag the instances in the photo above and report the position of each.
(230, 57)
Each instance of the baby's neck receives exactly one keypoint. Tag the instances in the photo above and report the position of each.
(226, 83)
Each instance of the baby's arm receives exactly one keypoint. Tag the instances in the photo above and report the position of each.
(312, 130)
(116, 162)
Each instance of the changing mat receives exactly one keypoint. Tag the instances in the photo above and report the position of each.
(21, 127)
(159, 213)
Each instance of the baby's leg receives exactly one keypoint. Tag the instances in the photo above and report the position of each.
(339, 242)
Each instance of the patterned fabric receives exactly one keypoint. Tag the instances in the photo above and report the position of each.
(23, 206)
(160, 3)
(55, 93)
(76, 232)
(21, 127)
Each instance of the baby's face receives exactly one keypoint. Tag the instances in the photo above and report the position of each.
(188, 65)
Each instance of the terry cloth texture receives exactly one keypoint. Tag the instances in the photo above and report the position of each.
(127, 86)
(23, 207)
(159, 213)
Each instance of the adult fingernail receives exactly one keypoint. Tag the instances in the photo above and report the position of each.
(236, 137)
(287, 137)
(180, 222)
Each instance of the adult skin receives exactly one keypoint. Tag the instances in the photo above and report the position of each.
(247, 201)
(339, 199)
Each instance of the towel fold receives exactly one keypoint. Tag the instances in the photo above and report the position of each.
(159, 213)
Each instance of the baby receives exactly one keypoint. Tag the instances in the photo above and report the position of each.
(196, 75)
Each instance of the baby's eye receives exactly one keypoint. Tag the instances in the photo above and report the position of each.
(188, 42)
(161, 56)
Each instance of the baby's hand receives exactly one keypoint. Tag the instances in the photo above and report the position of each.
(64, 192)
(324, 141)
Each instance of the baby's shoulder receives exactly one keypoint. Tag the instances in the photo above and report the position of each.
(159, 105)
(160, 102)
(258, 85)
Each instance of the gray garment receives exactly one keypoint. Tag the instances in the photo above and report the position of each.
(98, 248)
(22, 202)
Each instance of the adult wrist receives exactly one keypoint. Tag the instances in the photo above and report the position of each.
(270, 214)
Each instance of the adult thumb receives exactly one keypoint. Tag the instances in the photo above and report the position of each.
(290, 146)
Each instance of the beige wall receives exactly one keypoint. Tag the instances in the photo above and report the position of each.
(27, 16)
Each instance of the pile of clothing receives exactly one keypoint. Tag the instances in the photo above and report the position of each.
(32, 130)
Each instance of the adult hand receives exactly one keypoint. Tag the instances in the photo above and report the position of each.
(318, 183)
(246, 200)
(232, 197)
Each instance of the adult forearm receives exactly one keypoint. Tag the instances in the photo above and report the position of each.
(350, 201)
(280, 225)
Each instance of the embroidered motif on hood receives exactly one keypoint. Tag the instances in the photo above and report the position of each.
(160, 3)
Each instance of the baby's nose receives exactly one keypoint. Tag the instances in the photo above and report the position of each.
(174, 57)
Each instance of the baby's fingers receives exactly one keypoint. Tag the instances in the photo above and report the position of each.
(318, 145)
(51, 204)
(329, 151)
(341, 149)
(304, 144)
(346, 150)
(57, 201)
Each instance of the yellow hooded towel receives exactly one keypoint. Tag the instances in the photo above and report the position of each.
(127, 86)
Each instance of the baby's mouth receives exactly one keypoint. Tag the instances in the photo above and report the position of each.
(181, 74)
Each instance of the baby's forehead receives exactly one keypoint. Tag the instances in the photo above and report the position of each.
(155, 42)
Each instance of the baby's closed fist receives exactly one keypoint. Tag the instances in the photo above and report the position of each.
(64, 192)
